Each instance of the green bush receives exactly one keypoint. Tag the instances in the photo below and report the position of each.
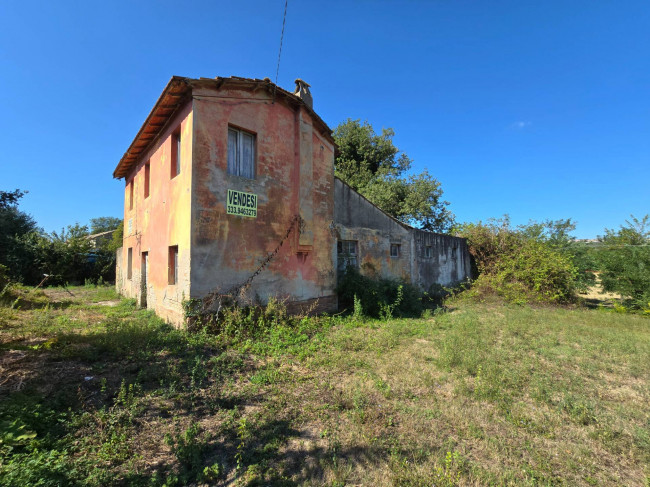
(531, 263)
(625, 262)
(626, 270)
(378, 297)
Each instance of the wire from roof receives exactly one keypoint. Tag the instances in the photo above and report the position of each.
(277, 69)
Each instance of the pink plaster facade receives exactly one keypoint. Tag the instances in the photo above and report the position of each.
(152, 224)
(294, 175)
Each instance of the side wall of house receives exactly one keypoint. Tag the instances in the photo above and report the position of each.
(359, 220)
(446, 262)
(293, 176)
(155, 223)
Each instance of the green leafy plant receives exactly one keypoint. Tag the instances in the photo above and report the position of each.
(378, 297)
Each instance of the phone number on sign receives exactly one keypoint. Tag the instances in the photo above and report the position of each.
(236, 210)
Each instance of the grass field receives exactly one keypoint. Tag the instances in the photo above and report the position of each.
(96, 392)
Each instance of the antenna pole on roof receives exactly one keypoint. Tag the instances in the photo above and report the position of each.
(277, 70)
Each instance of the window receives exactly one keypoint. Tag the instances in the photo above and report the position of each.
(427, 251)
(176, 154)
(147, 177)
(131, 195)
(129, 263)
(347, 254)
(241, 153)
(395, 250)
(453, 253)
(172, 265)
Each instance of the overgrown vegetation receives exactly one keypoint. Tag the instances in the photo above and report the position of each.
(625, 262)
(529, 263)
(68, 256)
(96, 392)
(378, 298)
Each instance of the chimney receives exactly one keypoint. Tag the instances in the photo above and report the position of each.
(302, 92)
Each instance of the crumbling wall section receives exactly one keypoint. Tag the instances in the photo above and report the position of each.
(374, 231)
(445, 263)
(424, 259)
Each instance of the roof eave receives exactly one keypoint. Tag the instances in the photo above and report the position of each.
(170, 100)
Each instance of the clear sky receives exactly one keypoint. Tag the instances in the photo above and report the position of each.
(536, 109)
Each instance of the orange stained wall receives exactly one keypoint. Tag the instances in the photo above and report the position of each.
(159, 221)
(294, 175)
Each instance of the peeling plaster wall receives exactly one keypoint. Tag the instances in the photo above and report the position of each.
(358, 219)
(294, 174)
(159, 221)
(448, 264)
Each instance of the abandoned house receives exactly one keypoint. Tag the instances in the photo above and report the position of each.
(228, 176)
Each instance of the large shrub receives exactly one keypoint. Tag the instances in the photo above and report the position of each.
(523, 264)
(625, 262)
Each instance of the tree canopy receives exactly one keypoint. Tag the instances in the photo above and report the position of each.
(104, 224)
(372, 165)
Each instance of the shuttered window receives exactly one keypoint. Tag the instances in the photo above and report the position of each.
(241, 153)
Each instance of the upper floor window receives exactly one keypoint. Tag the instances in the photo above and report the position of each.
(147, 177)
(427, 251)
(131, 195)
(176, 153)
(241, 153)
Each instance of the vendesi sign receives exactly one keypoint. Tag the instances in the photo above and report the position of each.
(242, 204)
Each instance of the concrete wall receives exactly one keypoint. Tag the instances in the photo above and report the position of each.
(159, 221)
(358, 219)
(449, 261)
(293, 175)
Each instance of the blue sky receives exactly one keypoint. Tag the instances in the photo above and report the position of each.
(535, 109)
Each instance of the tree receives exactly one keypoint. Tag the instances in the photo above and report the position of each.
(634, 232)
(372, 165)
(14, 226)
(10, 198)
(625, 261)
(104, 224)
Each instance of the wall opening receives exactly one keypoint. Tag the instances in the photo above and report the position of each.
(347, 254)
(147, 177)
(129, 263)
(172, 265)
(176, 153)
(395, 250)
(144, 269)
